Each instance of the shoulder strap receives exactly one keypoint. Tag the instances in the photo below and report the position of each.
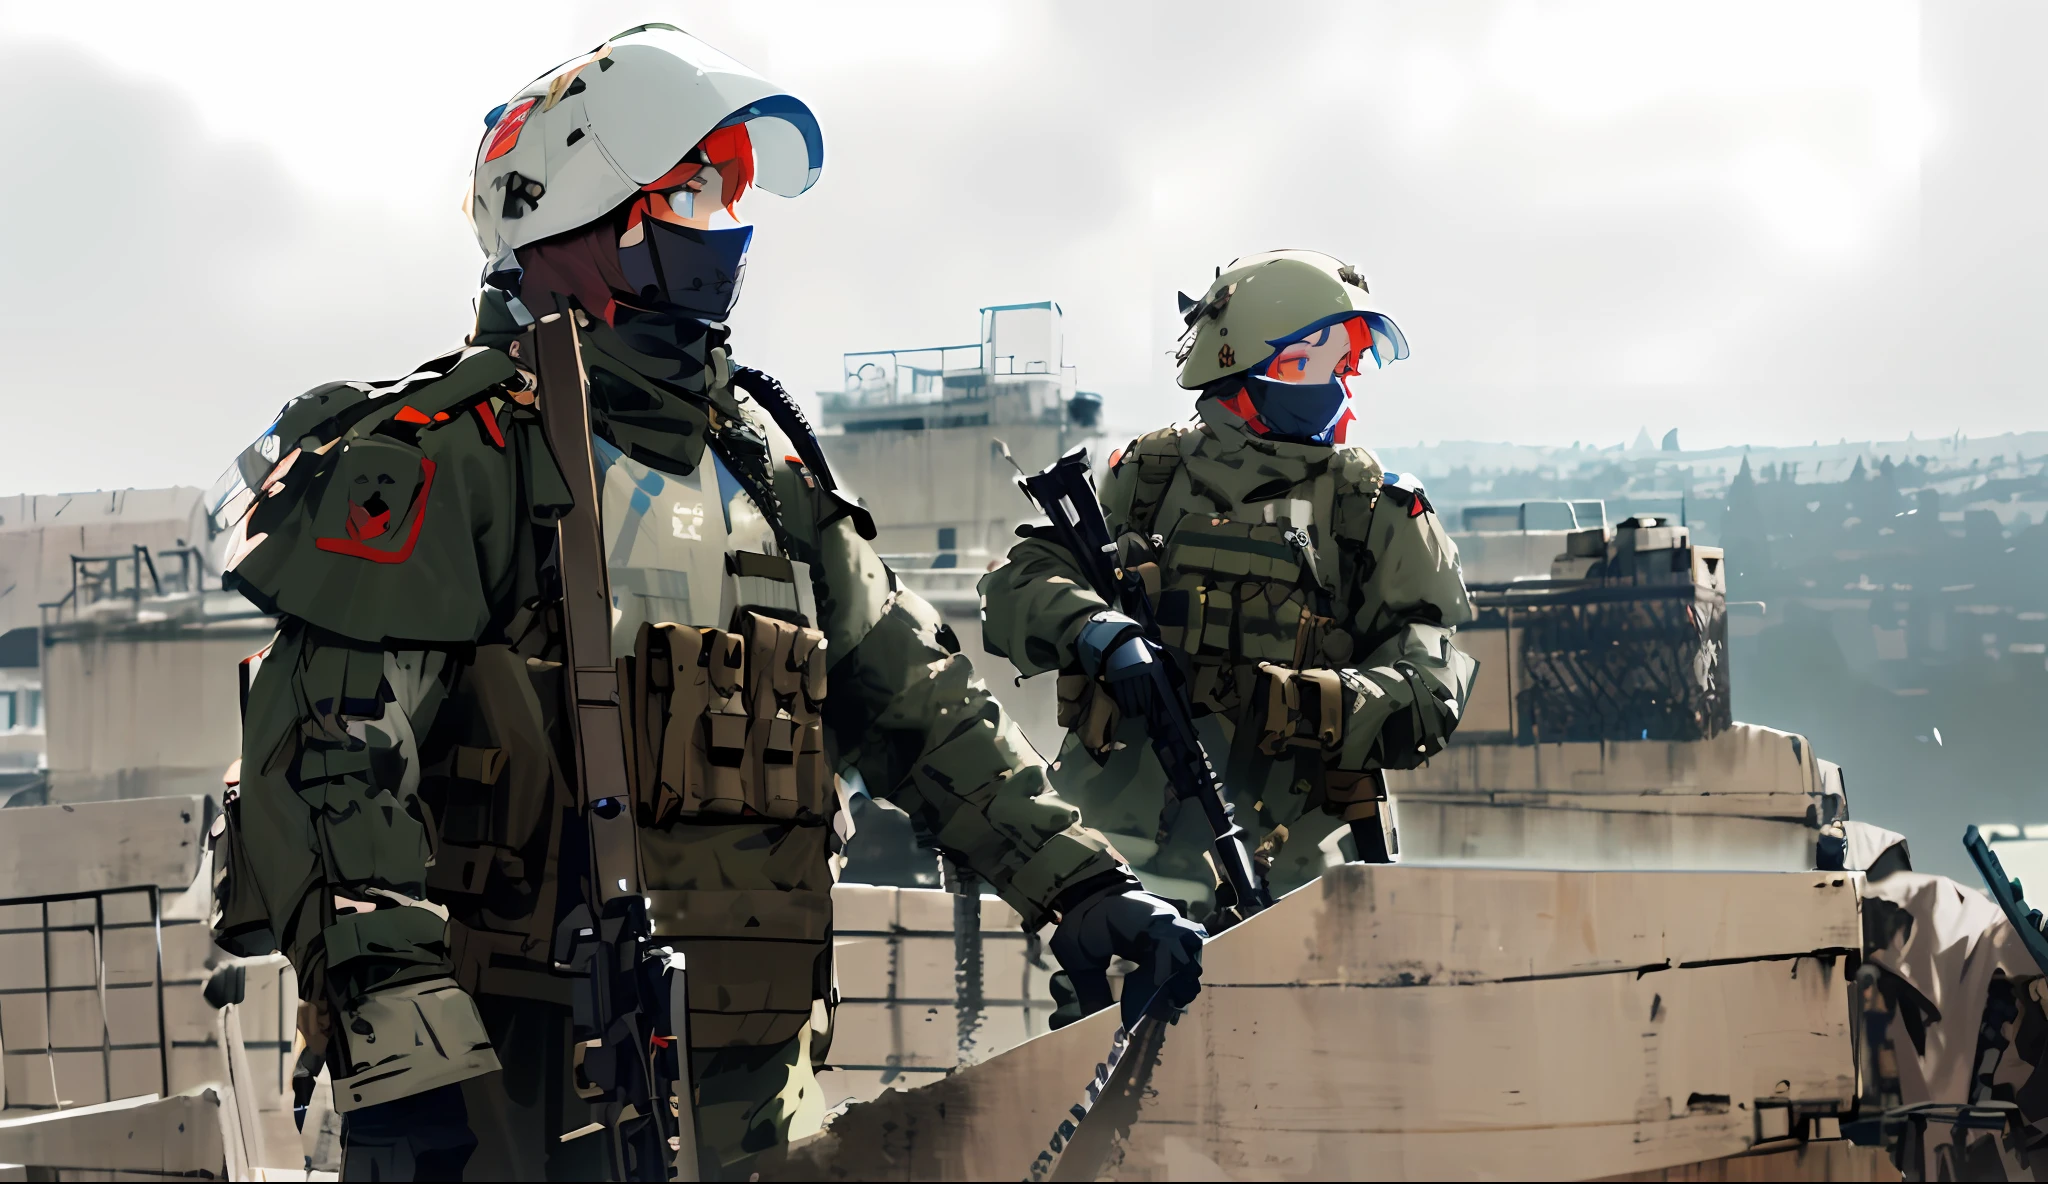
(776, 401)
(1157, 455)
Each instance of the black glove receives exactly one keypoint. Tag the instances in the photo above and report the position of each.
(1125, 921)
(1112, 650)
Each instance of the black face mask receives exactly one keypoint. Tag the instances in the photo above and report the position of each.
(1300, 411)
(695, 273)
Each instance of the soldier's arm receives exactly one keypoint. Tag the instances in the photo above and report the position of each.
(909, 713)
(1034, 605)
(1408, 685)
(381, 560)
(330, 819)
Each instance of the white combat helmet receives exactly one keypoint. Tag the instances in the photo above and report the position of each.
(581, 139)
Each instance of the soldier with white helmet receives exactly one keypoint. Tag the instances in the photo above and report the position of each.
(1308, 595)
(449, 732)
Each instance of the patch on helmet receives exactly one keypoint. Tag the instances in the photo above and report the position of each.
(505, 134)
(1226, 356)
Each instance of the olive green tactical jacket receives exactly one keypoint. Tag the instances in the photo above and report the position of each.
(402, 752)
(1233, 588)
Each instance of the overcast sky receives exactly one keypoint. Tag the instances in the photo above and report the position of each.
(1756, 223)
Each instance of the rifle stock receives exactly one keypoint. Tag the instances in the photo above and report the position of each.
(631, 1013)
(1065, 491)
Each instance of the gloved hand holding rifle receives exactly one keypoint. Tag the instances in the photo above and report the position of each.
(1122, 649)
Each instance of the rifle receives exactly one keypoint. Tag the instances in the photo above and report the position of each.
(631, 1011)
(1065, 491)
(2010, 897)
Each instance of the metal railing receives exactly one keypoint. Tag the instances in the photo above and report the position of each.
(893, 377)
(933, 374)
(133, 576)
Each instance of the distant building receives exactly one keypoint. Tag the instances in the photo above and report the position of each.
(21, 710)
(142, 682)
(58, 553)
(917, 434)
(1889, 600)
(41, 533)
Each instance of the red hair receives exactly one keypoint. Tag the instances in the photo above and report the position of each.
(731, 152)
(1361, 341)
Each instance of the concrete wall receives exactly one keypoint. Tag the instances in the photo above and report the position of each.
(917, 999)
(104, 960)
(1503, 556)
(1751, 798)
(915, 482)
(1429, 1023)
(147, 703)
(105, 954)
(104, 951)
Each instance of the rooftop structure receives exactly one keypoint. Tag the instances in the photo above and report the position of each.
(1016, 373)
(71, 557)
(918, 435)
(142, 694)
(1887, 599)
(41, 534)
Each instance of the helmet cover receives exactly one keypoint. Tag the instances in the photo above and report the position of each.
(1262, 302)
(1262, 317)
(582, 139)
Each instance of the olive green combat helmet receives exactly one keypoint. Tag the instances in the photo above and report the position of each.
(1263, 300)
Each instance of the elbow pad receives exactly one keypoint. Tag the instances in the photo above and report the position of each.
(1423, 728)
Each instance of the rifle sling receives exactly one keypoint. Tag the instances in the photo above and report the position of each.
(592, 682)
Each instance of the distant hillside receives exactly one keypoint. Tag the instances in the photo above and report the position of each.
(1709, 468)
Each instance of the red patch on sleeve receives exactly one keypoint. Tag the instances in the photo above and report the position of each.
(411, 415)
(363, 525)
(360, 549)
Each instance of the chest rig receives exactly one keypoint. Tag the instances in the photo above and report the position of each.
(1267, 579)
(714, 629)
(722, 677)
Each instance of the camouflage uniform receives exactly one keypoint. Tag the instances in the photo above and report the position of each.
(403, 747)
(1310, 597)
